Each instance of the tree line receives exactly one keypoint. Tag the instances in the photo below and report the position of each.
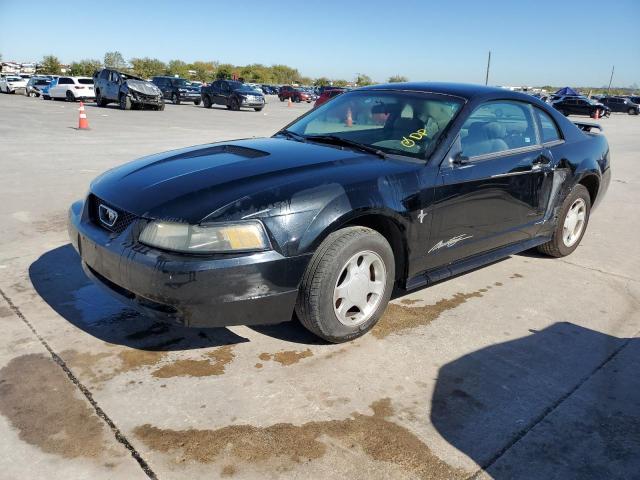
(204, 71)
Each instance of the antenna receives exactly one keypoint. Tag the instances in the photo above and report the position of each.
(486, 78)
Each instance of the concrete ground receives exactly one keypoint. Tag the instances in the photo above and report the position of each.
(527, 368)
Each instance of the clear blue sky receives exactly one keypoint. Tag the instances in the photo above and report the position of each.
(540, 42)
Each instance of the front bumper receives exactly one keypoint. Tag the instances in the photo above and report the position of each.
(252, 103)
(142, 99)
(195, 291)
(189, 96)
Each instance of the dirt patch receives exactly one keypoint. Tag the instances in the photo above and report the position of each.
(5, 312)
(287, 357)
(398, 318)
(286, 444)
(516, 275)
(100, 367)
(132, 359)
(44, 406)
(228, 471)
(408, 301)
(87, 365)
(214, 365)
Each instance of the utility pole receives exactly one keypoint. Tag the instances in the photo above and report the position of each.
(486, 78)
(610, 79)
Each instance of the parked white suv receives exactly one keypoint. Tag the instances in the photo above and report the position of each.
(10, 83)
(73, 88)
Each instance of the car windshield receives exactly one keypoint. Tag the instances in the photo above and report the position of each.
(180, 82)
(42, 82)
(13, 79)
(237, 85)
(393, 122)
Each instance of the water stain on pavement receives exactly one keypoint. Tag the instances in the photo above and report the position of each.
(213, 365)
(287, 444)
(288, 357)
(44, 407)
(398, 318)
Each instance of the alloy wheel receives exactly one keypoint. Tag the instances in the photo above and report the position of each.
(574, 222)
(359, 289)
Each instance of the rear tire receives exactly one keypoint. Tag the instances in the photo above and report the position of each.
(160, 107)
(558, 246)
(632, 111)
(337, 264)
(175, 99)
(206, 101)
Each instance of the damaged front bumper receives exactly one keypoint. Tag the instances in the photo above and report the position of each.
(195, 291)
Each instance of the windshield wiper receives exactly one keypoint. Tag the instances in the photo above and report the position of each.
(292, 135)
(335, 140)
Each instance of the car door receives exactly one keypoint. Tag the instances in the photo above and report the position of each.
(60, 90)
(225, 93)
(113, 86)
(487, 192)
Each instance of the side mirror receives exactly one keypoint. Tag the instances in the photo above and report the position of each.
(459, 159)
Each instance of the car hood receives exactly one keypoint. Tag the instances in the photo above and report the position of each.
(205, 182)
(247, 91)
(141, 86)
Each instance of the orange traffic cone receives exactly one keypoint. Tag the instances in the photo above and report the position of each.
(83, 123)
(349, 122)
(289, 102)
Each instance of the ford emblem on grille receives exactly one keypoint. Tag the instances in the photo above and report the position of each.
(107, 215)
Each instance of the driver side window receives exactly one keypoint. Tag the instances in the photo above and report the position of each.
(498, 127)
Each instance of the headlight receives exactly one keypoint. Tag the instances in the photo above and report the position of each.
(223, 237)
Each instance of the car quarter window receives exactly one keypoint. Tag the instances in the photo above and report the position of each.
(548, 129)
(498, 126)
(65, 81)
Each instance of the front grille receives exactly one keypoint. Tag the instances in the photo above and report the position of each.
(124, 218)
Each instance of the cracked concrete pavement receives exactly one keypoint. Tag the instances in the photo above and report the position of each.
(526, 368)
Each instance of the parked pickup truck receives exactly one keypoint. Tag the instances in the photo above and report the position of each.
(232, 94)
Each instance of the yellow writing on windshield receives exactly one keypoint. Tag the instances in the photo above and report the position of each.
(412, 138)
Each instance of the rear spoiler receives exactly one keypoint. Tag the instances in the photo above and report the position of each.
(586, 127)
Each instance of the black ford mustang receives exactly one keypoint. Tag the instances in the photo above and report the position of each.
(392, 185)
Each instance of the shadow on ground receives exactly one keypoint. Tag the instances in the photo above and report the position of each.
(562, 403)
(58, 278)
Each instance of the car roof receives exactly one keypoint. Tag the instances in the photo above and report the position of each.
(464, 90)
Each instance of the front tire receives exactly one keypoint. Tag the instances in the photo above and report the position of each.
(125, 102)
(347, 284)
(632, 111)
(206, 101)
(70, 96)
(196, 102)
(572, 223)
(258, 109)
(175, 99)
